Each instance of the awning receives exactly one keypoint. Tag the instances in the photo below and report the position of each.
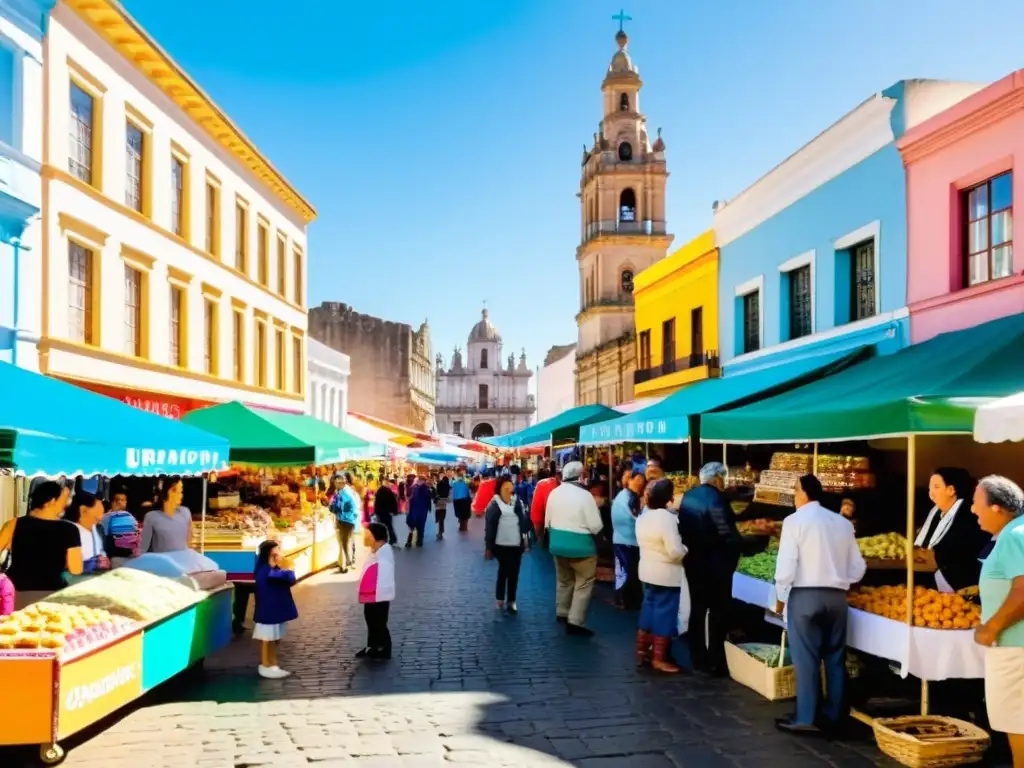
(639, 404)
(669, 420)
(933, 387)
(564, 426)
(273, 438)
(49, 427)
(1001, 420)
(399, 434)
(386, 444)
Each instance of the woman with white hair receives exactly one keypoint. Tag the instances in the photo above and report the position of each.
(999, 505)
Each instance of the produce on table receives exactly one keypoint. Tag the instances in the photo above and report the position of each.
(130, 593)
(54, 626)
(762, 526)
(932, 608)
(766, 653)
(760, 566)
(885, 546)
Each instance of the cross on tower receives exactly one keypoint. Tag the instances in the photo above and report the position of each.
(622, 18)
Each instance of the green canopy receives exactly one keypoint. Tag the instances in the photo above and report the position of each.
(273, 438)
(931, 387)
(669, 420)
(564, 426)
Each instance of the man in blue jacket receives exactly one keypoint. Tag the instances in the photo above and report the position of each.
(345, 506)
(419, 509)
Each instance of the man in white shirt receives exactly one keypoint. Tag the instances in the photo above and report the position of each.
(85, 512)
(818, 561)
(572, 519)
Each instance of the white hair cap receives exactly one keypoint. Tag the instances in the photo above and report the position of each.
(572, 470)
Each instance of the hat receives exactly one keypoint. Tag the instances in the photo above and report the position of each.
(572, 470)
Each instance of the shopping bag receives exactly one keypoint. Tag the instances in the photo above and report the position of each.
(684, 607)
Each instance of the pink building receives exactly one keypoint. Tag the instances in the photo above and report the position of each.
(962, 181)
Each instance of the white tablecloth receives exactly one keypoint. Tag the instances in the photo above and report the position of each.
(747, 589)
(928, 654)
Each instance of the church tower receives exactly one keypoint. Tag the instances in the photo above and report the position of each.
(622, 202)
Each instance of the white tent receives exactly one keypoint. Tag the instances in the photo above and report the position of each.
(1000, 421)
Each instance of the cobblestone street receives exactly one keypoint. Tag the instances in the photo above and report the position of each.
(466, 685)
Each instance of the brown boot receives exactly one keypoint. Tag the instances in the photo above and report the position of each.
(661, 657)
(643, 647)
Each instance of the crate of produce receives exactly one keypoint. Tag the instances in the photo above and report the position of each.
(774, 478)
(226, 501)
(775, 681)
(930, 741)
(776, 496)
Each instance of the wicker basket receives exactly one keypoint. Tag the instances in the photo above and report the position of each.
(774, 683)
(930, 741)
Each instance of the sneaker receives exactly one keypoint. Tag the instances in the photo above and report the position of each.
(512, 609)
(272, 673)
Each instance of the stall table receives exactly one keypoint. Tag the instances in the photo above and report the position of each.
(59, 694)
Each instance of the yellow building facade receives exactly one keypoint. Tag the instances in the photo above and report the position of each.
(676, 303)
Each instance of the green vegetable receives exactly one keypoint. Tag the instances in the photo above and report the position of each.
(766, 653)
(760, 566)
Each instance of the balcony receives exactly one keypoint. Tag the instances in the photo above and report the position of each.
(708, 359)
(615, 227)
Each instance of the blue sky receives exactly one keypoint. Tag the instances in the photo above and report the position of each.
(441, 142)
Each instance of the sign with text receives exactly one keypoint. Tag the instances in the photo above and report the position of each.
(97, 685)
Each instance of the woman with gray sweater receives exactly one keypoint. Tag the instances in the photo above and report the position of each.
(506, 532)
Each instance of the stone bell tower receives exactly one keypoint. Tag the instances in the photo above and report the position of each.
(623, 231)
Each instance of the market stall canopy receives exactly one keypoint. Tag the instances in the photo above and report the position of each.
(383, 442)
(1000, 421)
(935, 387)
(399, 435)
(669, 420)
(564, 426)
(274, 438)
(49, 427)
(639, 404)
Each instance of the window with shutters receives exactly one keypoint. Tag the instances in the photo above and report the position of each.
(862, 281)
(80, 294)
(800, 302)
(752, 321)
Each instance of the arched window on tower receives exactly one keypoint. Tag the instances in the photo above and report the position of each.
(483, 358)
(624, 103)
(626, 281)
(625, 151)
(627, 205)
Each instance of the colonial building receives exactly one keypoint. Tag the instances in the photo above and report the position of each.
(813, 255)
(22, 26)
(392, 374)
(677, 319)
(556, 382)
(622, 202)
(173, 253)
(480, 398)
(327, 375)
(962, 182)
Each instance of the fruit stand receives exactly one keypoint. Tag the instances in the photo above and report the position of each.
(89, 649)
(286, 448)
(73, 665)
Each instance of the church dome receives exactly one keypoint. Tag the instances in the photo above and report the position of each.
(621, 63)
(484, 331)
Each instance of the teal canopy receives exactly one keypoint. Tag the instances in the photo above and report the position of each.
(669, 420)
(49, 427)
(935, 387)
(564, 426)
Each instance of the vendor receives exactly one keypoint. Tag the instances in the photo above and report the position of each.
(169, 527)
(42, 546)
(85, 513)
(950, 532)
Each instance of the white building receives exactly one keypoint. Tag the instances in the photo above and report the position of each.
(22, 26)
(556, 382)
(480, 398)
(173, 253)
(327, 390)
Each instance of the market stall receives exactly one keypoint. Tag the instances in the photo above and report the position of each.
(275, 454)
(897, 398)
(87, 650)
(1000, 421)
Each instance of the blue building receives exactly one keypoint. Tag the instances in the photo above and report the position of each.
(813, 256)
(22, 27)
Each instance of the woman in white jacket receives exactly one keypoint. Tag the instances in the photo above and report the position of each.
(661, 571)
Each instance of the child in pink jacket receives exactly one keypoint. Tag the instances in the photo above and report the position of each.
(376, 591)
